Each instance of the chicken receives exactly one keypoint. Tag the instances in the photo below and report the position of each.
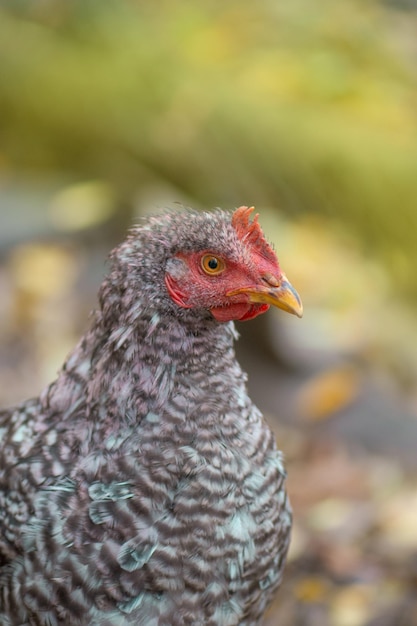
(143, 486)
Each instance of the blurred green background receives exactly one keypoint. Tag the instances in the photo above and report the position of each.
(306, 106)
(308, 110)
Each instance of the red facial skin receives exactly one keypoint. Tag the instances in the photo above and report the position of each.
(194, 288)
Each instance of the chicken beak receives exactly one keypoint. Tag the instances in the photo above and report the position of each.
(277, 292)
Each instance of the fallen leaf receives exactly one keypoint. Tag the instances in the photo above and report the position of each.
(327, 393)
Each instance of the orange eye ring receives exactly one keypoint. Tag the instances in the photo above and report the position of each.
(212, 264)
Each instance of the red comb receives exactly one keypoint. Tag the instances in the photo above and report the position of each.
(251, 232)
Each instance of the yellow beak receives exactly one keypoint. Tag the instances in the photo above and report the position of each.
(279, 293)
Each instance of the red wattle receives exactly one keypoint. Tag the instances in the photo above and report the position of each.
(240, 311)
(256, 309)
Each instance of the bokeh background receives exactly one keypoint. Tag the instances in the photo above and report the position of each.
(110, 109)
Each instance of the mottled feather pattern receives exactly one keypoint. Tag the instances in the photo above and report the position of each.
(143, 486)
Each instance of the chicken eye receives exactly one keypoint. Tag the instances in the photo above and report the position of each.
(212, 264)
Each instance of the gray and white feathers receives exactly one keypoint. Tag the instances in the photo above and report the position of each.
(143, 486)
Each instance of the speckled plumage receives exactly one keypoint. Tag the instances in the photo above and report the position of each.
(143, 486)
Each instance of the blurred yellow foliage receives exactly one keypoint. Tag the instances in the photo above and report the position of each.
(42, 270)
(397, 521)
(351, 606)
(311, 589)
(328, 392)
(80, 206)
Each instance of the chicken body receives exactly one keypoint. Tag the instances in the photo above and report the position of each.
(143, 486)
